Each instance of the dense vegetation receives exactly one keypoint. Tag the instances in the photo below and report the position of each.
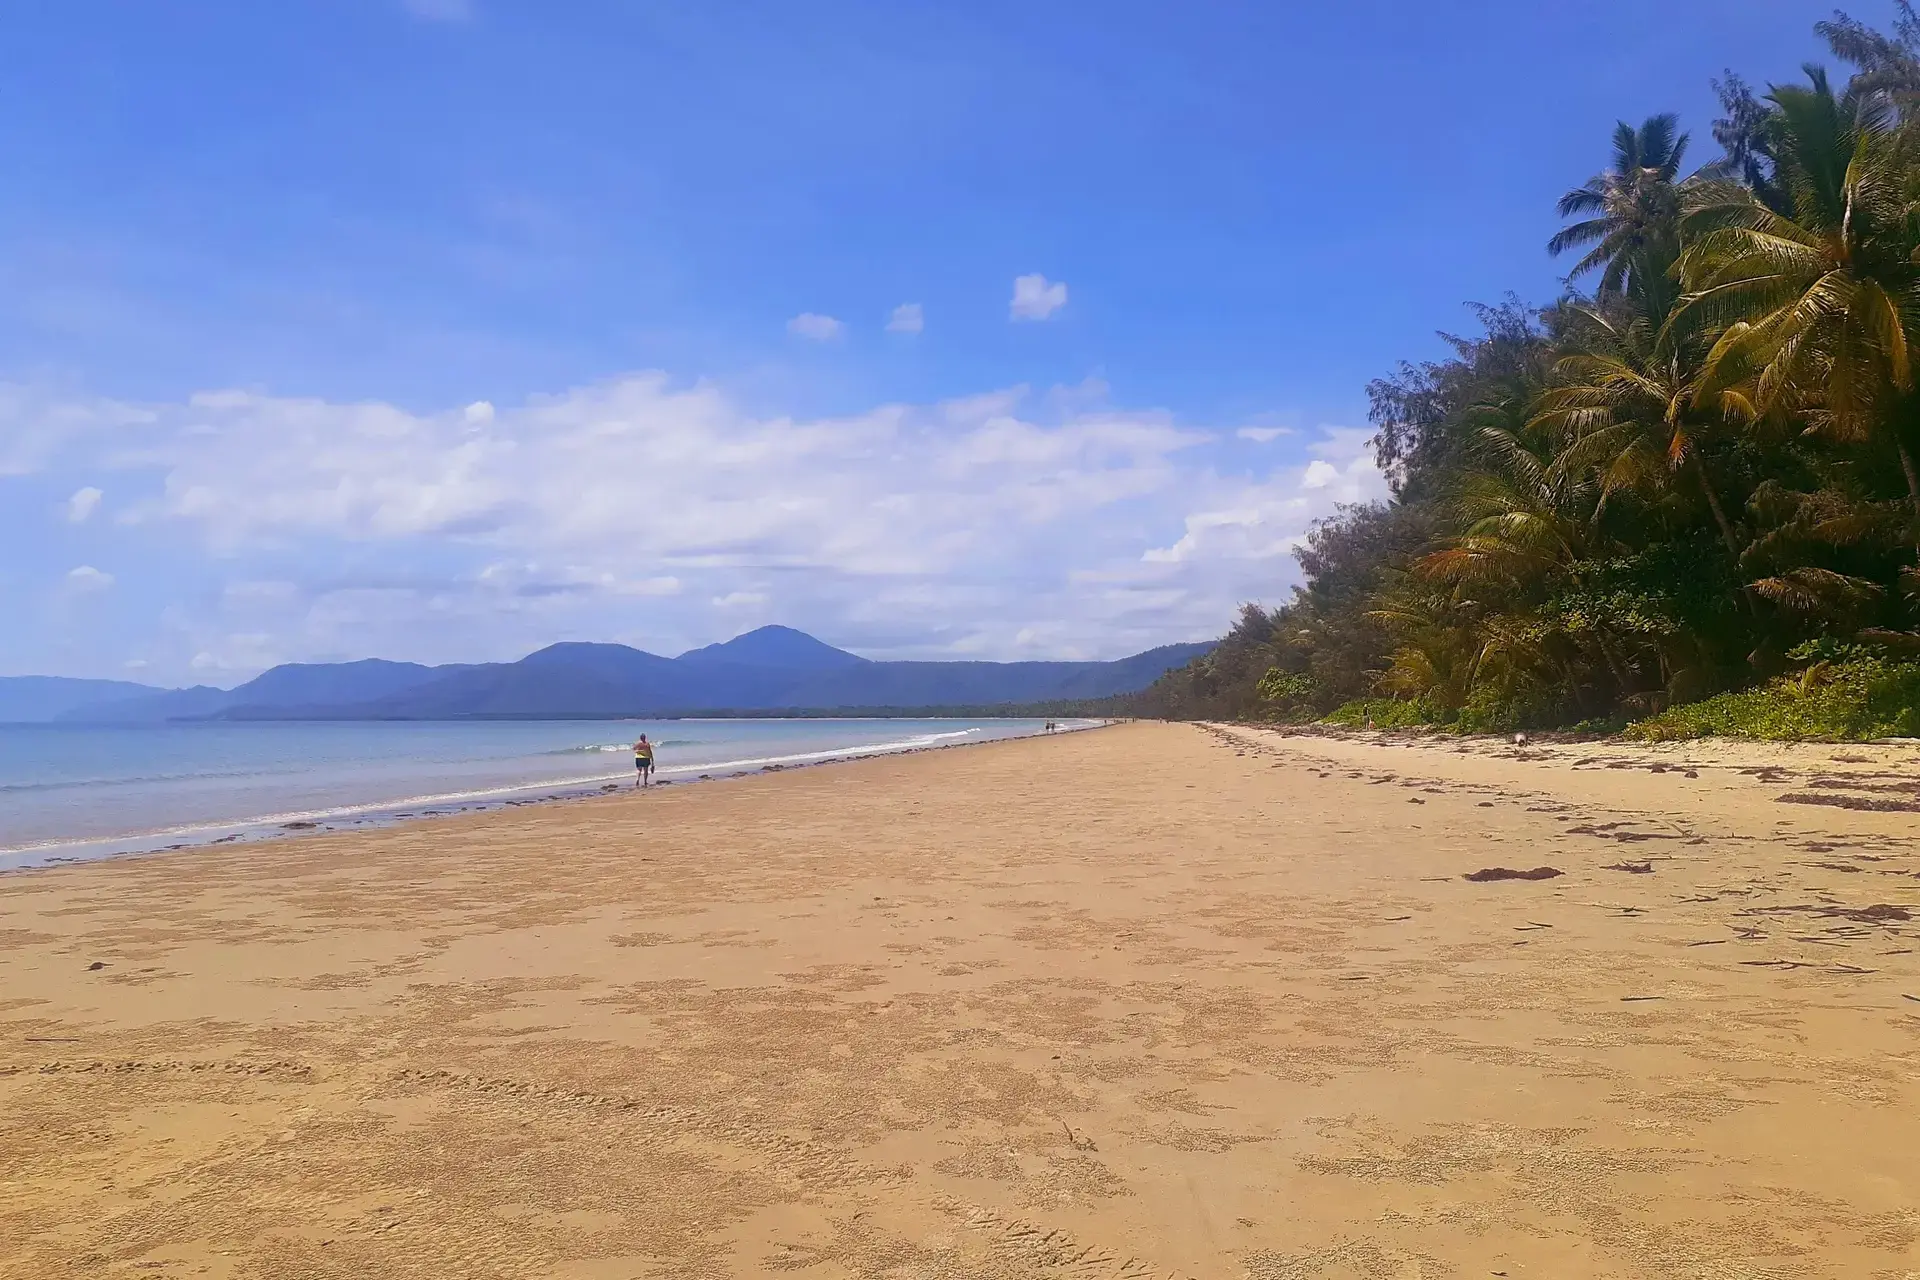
(1689, 480)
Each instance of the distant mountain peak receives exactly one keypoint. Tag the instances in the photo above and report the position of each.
(775, 646)
(563, 650)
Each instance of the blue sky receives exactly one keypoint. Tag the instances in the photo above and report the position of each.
(443, 329)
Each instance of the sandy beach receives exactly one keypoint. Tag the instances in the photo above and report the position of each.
(1150, 1001)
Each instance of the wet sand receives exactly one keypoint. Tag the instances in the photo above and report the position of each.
(1149, 1001)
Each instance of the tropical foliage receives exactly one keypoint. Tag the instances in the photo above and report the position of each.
(1675, 483)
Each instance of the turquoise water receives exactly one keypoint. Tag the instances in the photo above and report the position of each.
(76, 791)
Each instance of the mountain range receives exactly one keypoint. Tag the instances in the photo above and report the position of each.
(773, 669)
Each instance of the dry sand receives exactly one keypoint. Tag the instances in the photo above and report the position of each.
(1155, 1000)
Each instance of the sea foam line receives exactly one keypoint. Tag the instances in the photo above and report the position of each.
(835, 753)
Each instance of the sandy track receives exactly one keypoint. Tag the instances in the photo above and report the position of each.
(1152, 1001)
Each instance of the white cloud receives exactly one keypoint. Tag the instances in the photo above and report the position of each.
(1267, 520)
(995, 525)
(908, 317)
(530, 578)
(816, 328)
(239, 654)
(87, 578)
(135, 664)
(478, 414)
(254, 592)
(37, 424)
(1263, 435)
(439, 10)
(1036, 298)
(81, 505)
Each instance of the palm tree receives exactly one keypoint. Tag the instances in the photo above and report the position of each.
(1630, 407)
(1524, 533)
(1634, 208)
(1888, 65)
(1521, 517)
(1743, 137)
(1800, 528)
(1816, 303)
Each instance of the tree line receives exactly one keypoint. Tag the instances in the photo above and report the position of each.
(1692, 474)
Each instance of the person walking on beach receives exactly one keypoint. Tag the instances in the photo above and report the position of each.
(642, 763)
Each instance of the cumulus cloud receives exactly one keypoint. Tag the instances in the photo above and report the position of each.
(1035, 297)
(815, 328)
(87, 578)
(533, 579)
(478, 414)
(1320, 473)
(642, 471)
(82, 504)
(37, 423)
(656, 512)
(1263, 435)
(908, 317)
(1268, 520)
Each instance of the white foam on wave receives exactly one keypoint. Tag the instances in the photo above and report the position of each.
(832, 753)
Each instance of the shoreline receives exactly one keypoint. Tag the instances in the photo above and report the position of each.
(1262, 1009)
(383, 814)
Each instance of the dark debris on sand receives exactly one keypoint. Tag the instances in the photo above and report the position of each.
(1508, 873)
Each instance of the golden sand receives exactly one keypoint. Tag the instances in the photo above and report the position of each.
(1149, 1001)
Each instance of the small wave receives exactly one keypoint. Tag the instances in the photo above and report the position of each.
(592, 748)
(139, 779)
(828, 753)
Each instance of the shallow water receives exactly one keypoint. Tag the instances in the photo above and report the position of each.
(77, 791)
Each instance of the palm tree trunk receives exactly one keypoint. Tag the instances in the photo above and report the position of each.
(1913, 486)
(1713, 502)
(1726, 531)
(1620, 679)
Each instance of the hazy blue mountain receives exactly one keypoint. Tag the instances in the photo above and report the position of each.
(195, 703)
(323, 683)
(612, 680)
(38, 699)
(928, 684)
(776, 647)
(568, 679)
(291, 685)
(771, 669)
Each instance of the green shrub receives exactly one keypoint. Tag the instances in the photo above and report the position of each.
(1386, 713)
(1288, 687)
(1487, 711)
(1855, 698)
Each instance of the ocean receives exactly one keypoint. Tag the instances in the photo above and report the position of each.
(71, 792)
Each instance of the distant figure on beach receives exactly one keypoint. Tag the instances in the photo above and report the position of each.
(643, 762)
